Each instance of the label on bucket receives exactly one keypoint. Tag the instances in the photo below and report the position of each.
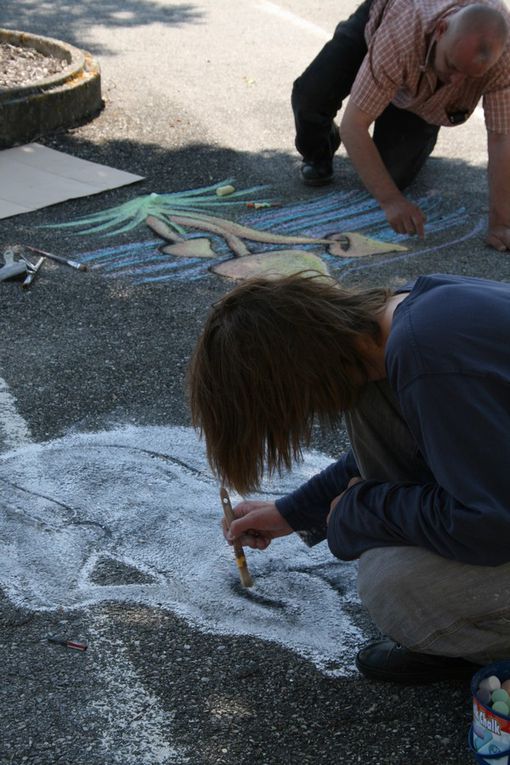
(491, 734)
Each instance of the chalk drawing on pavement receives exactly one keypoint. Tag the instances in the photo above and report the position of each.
(140, 504)
(328, 233)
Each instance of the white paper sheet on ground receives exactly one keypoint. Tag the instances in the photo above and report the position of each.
(34, 176)
(143, 498)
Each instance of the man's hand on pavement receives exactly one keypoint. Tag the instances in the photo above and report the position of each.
(498, 233)
(499, 237)
(404, 217)
(256, 525)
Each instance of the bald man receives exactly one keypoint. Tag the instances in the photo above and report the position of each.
(410, 67)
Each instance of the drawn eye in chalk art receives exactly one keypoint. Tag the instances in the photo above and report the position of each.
(328, 233)
(134, 515)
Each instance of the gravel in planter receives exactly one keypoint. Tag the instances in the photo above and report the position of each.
(23, 66)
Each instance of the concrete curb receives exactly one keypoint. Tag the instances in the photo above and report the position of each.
(66, 99)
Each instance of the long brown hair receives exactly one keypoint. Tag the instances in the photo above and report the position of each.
(274, 356)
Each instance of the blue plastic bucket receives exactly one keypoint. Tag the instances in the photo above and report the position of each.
(489, 735)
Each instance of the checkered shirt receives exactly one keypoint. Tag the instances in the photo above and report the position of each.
(397, 69)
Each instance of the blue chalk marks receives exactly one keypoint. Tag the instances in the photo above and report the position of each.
(143, 262)
(307, 226)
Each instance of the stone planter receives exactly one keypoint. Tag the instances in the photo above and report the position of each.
(63, 100)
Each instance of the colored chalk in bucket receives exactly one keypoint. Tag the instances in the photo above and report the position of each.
(484, 695)
(489, 735)
(491, 683)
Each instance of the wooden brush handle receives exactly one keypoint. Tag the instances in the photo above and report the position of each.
(246, 578)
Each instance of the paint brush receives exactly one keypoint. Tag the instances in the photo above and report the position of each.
(58, 258)
(244, 573)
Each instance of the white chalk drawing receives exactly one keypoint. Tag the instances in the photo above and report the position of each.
(133, 514)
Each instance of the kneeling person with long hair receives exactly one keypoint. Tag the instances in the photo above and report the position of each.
(422, 379)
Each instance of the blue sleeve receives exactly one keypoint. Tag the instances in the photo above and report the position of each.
(306, 508)
(462, 426)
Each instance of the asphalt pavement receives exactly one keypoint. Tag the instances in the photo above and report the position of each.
(109, 529)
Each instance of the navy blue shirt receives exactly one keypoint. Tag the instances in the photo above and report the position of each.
(448, 361)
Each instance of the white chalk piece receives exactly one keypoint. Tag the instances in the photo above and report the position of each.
(491, 683)
(224, 191)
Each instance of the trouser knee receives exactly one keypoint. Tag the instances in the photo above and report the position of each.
(384, 592)
(435, 605)
(404, 167)
(318, 93)
(306, 100)
(404, 141)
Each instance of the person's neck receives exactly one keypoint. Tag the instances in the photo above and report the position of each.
(375, 351)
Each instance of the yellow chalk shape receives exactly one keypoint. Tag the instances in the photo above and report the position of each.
(224, 191)
(272, 265)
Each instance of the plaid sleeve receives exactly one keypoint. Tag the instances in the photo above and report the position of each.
(496, 107)
(381, 74)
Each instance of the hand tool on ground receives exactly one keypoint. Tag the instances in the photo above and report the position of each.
(58, 258)
(11, 267)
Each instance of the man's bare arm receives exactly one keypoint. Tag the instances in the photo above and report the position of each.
(403, 216)
(498, 235)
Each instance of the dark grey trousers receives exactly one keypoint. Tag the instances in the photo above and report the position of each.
(425, 602)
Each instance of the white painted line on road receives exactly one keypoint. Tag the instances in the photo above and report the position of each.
(14, 431)
(135, 728)
(141, 500)
(293, 18)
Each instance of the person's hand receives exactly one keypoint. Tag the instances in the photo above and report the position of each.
(404, 217)
(256, 525)
(356, 479)
(498, 236)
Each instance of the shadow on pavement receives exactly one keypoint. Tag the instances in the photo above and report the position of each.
(168, 168)
(458, 191)
(66, 20)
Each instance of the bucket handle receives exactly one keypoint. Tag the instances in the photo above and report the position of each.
(484, 756)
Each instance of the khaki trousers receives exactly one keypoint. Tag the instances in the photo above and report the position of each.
(425, 602)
